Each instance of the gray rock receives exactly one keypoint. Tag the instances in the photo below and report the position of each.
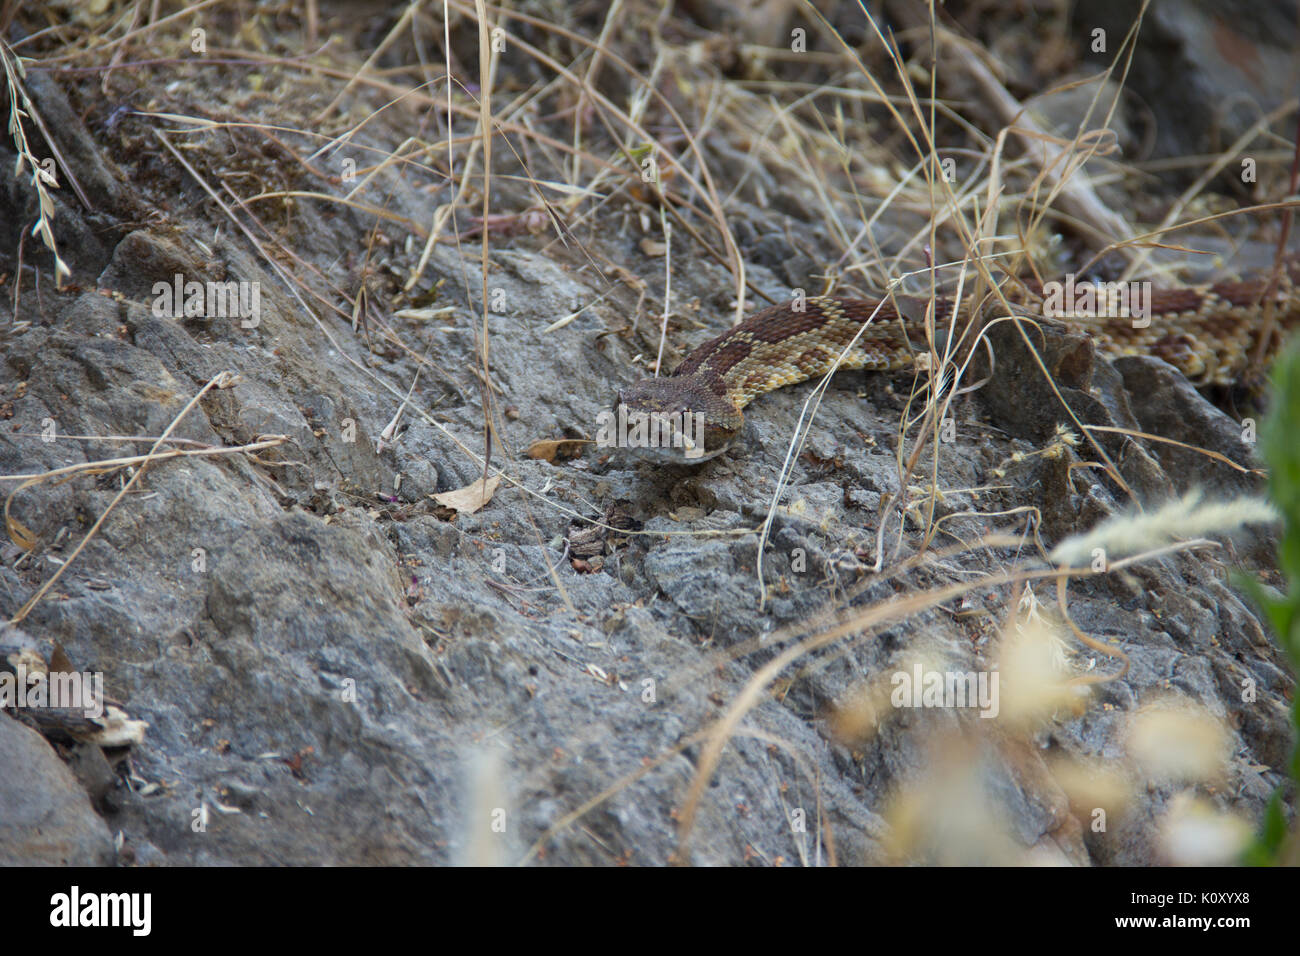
(45, 816)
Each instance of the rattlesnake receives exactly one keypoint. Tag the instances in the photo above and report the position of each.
(1210, 333)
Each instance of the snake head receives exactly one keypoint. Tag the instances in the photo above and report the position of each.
(672, 420)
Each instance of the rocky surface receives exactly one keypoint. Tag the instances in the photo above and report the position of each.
(48, 819)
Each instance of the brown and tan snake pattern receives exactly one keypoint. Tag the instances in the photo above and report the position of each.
(1209, 333)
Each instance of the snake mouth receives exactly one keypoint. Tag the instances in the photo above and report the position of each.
(684, 454)
(676, 437)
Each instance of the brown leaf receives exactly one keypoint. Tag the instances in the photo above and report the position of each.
(552, 449)
(470, 498)
(59, 662)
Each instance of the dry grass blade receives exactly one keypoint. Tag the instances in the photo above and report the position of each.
(221, 380)
(42, 180)
(855, 622)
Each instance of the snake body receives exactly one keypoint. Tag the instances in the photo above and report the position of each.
(1210, 333)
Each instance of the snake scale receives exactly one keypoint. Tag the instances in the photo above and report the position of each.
(1210, 333)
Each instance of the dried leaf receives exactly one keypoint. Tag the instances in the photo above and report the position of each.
(60, 663)
(553, 449)
(470, 498)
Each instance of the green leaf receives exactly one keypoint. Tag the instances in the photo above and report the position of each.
(1278, 609)
(1279, 443)
(1263, 851)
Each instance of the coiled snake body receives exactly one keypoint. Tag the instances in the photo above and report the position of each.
(1210, 333)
